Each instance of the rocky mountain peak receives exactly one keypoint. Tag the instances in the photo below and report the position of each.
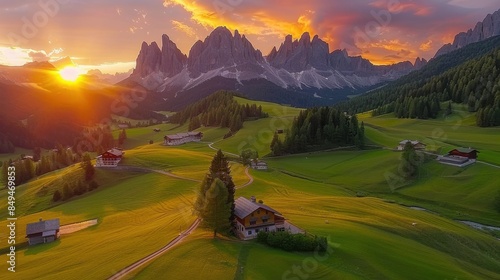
(485, 29)
(221, 49)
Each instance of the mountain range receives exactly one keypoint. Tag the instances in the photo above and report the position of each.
(298, 65)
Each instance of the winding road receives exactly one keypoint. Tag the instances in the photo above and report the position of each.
(122, 273)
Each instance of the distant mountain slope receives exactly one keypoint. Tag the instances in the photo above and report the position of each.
(483, 30)
(430, 74)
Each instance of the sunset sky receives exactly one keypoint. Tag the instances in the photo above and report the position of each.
(107, 34)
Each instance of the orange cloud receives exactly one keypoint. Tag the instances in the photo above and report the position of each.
(184, 28)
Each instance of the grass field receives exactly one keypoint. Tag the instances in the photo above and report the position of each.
(136, 217)
(369, 238)
(257, 135)
(441, 135)
(344, 195)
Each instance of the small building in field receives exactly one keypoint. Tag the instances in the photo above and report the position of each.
(417, 145)
(182, 138)
(42, 231)
(252, 217)
(110, 158)
(465, 152)
(258, 164)
(460, 157)
(156, 130)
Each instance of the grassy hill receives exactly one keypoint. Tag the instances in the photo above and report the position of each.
(343, 195)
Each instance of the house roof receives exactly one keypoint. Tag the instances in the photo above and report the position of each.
(42, 226)
(116, 152)
(413, 142)
(244, 207)
(466, 150)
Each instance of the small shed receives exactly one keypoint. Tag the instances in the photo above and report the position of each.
(42, 231)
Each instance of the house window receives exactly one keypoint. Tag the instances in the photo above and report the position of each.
(267, 229)
(264, 220)
(252, 223)
(258, 211)
(257, 231)
(249, 232)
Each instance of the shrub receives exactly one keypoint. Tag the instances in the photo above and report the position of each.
(293, 242)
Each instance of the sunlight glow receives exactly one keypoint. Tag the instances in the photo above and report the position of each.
(70, 74)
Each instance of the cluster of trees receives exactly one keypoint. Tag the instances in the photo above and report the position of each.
(293, 242)
(470, 76)
(218, 109)
(95, 139)
(247, 155)
(215, 200)
(27, 168)
(79, 186)
(321, 127)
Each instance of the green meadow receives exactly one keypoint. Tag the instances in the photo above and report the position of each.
(349, 196)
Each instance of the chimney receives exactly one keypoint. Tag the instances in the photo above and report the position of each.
(252, 198)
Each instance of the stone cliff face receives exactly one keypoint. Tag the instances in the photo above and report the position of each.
(488, 28)
(303, 62)
(221, 49)
(169, 60)
(300, 55)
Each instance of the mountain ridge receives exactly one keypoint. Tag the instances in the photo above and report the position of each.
(296, 64)
(489, 27)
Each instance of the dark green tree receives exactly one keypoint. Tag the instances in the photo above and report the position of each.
(247, 155)
(88, 168)
(409, 161)
(216, 210)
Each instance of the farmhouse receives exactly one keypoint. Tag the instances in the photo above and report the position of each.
(252, 217)
(258, 164)
(417, 145)
(42, 231)
(465, 152)
(110, 158)
(182, 138)
(460, 157)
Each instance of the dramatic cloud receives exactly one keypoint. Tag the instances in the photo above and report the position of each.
(111, 32)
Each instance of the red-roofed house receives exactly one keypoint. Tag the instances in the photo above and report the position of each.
(110, 158)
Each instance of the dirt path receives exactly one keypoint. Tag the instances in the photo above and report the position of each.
(70, 228)
(122, 273)
(175, 176)
(250, 179)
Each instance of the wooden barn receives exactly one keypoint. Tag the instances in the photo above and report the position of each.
(464, 152)
(42, 231)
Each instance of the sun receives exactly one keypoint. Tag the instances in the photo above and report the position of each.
(70, 73)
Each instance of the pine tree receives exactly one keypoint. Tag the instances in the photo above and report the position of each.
(219, 169)
(121, 137)
(88, 168)
(216, 210)
(409, 163)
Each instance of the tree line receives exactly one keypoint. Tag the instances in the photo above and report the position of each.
(475, 82)
(219, 109)
(318, 128)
